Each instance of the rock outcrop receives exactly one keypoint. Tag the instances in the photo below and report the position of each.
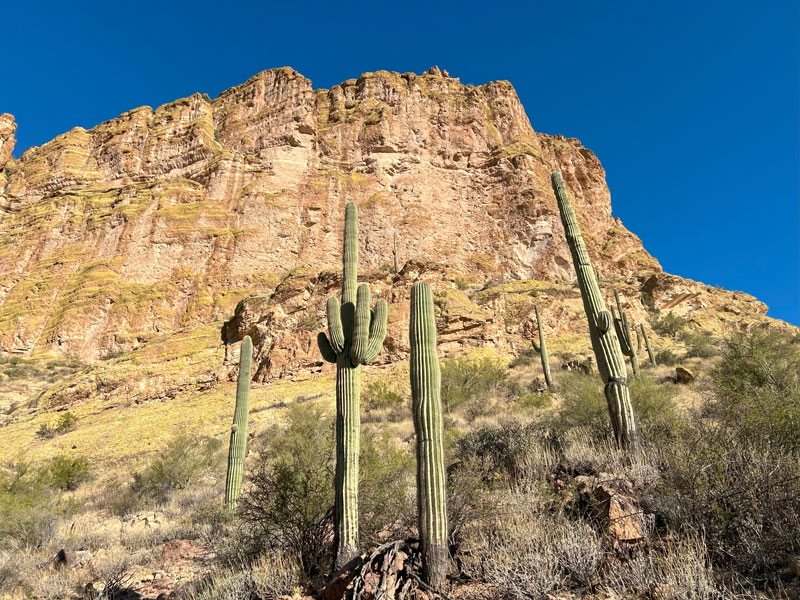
(230, 210)
(7, 141)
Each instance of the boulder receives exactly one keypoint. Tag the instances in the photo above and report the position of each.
(611, 501)
(683, 375)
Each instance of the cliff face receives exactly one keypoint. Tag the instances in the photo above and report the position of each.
(164, 220)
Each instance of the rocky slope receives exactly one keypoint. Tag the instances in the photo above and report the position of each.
(229, 212)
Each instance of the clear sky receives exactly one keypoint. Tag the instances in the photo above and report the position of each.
(692, 107)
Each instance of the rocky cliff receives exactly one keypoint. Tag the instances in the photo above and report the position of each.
(229, 212)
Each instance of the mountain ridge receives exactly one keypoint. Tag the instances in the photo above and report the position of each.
(229, 211)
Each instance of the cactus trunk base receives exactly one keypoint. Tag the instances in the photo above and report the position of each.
(434, 569)
(618, 397)
(348, 427)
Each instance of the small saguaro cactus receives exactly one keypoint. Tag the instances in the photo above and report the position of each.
(238, 444)
(427, 407)
(648, 346)
(541, 348)
(610, 360)
(623, 330)
(355, 337)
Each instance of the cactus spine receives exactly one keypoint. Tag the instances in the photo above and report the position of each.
(541, 348)
(427, 407)
(355, 337)
(238, 443)
(648, 346)
(624, 336)
(610, 361)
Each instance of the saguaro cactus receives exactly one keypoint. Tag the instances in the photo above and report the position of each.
(623, 330)
(238, 443)
(610, 361)
(356, 336)
(541, 348)
(427, 407)
(648, 346)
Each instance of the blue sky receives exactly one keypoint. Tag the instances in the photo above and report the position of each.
(692, 107)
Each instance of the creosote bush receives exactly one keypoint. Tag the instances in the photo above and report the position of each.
(381, 393)
(699, 344)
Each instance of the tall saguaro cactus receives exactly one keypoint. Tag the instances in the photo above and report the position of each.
(238, 444)
(541, 348)
(427, 407)
(610, 361)
(624, 335)
(356, 336)
(650, 354)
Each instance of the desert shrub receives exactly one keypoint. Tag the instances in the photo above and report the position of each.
(45, 431)
(66, 473)
(757, 384)
(666, 357)
(510, 452)
(679, 569)
(65, 422)
(29, 509)
(380, 394)
(525, 552)
(184, 460)
(289, 504)
(527, 357)
(669, 325)
(386, 489)
(744, 497)
(273, 575)
(700, 344)
(584, 406)
(466, 378)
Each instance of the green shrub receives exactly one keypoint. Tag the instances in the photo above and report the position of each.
(29, 509)
(505, 453)
(380, 394)
(184, 460)
(289, 503)
(527, 357)
(669, 325)
(466, 378)
(700, 344)
(45, 431)
(584, 405)
(65, 422)
(386, 488)
(666, 357)
(757, 384)
(66, 473)
(744, 498)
